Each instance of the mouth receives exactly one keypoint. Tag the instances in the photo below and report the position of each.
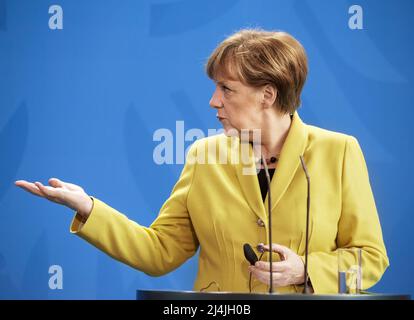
(219, 118)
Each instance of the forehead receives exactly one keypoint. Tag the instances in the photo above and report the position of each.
(225, 69)
(224, 74)
(227, 81)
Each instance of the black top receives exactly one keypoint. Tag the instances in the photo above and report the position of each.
(262, 181)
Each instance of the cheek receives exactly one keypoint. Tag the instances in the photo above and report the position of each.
(233, 115)
(232, 106)
(240, 111)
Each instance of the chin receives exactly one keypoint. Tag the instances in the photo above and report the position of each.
(231, 132)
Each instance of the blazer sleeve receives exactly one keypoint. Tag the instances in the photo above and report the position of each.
(358, 226)
(155, 250)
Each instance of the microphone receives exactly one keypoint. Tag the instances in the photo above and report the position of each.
(306, 288)
(249, 254)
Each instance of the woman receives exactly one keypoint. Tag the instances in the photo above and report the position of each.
(219, 205)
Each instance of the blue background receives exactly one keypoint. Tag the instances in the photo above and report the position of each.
(82, 104)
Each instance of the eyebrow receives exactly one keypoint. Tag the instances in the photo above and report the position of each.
(222, 82)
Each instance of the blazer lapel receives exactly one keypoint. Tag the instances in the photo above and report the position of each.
(247, 176)
(289, 161)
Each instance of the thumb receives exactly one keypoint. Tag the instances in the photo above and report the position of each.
(56, 183)
(278, 248)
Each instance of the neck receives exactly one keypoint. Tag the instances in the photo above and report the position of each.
(274, 131)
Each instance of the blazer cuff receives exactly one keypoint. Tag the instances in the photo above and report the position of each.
(79, 221)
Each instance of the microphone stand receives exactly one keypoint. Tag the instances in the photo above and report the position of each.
(306, 286)
(269, 216)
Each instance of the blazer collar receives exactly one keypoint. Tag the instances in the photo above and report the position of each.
(288, 163)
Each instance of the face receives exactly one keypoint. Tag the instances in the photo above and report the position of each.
(238, 106)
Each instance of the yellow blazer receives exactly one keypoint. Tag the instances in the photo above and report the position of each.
(217, 207)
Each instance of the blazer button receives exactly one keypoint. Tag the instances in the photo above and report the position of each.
(260, 223)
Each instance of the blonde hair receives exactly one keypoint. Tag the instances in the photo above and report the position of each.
(257, 57)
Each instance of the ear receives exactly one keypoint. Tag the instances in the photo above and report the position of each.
(269, 95)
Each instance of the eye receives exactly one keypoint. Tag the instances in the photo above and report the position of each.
(225, 89)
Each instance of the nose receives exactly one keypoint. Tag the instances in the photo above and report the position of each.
(215, 101)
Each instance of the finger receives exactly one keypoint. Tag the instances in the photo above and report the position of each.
(264, 277)
(30, 187)
(49, 192)
(65, 185)
(57, 183)
(21, 183)
(278, 248)
(276, 266)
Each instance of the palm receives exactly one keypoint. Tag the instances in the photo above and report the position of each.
(58, 191)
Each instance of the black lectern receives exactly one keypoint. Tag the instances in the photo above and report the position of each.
(195, 295)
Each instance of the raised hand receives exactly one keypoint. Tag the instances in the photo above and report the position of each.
(68, 194)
